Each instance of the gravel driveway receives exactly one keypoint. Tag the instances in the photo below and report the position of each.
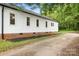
(49, 47)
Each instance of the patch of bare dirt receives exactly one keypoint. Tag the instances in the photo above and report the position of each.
(72, 49)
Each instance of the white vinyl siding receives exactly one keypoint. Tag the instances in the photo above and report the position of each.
(21, 23)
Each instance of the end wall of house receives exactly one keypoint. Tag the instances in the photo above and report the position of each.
(56, 27)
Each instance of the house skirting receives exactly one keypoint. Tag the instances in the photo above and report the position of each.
(24, 35)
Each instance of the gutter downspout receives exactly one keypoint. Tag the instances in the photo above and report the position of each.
(2, 22)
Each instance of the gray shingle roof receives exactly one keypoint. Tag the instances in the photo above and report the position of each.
(25, 10)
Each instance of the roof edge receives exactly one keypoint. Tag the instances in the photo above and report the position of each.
(26, 11)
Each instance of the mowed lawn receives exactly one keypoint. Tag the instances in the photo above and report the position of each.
(6, 45)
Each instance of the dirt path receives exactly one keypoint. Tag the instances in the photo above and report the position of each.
(49, 47)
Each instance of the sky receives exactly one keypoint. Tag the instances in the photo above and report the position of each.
(37, 10)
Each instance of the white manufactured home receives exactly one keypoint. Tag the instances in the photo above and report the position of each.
(15, 23)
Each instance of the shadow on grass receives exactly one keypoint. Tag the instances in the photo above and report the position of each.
(32, 38)
(29, 38)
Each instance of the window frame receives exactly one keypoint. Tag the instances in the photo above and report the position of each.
(37, 23)
(12, 19)
(52, 24)
(46, 24)
(28, 21)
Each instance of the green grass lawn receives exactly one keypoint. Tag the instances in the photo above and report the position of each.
(6, 45)
(66, 31)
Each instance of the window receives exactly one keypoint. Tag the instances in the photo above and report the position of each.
(37, 23)
(46, 23)
(28, 21)
(12, 18)
(52, 24)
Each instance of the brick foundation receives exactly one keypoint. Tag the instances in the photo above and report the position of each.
(25, 35)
